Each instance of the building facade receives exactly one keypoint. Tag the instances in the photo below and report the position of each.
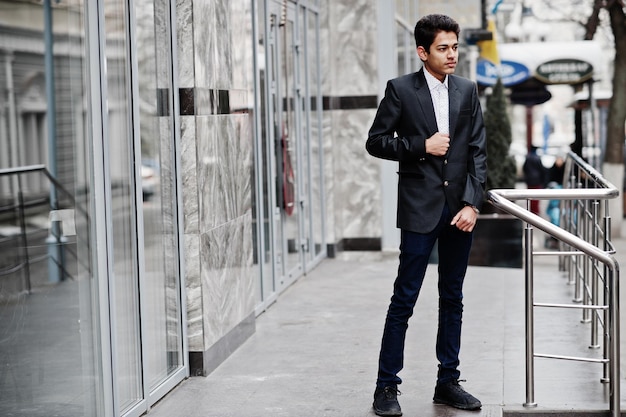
(167, 169)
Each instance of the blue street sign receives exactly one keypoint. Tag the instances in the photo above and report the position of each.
(510, 72)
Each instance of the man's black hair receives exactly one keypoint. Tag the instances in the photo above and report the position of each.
(427, 27)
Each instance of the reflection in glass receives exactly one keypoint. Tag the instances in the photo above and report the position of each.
(48, 337)
(124, 277)
(160, 294)
(264, 212)
(287, 151)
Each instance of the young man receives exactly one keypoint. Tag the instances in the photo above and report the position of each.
(431, 123)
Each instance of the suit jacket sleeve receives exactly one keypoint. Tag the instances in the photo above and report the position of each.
(382, 141)
(477, 156)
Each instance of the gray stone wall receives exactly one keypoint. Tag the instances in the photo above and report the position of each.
(217, 163)
(349, 43)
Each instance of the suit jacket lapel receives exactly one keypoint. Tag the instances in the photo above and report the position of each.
(454, 98)
(425, 101)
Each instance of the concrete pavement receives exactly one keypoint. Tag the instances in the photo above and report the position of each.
(315, 350)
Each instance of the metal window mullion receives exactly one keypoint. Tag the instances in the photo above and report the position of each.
(305, 51)
(176, 127)
(135, 143)
(97, 82)
(320, 136)
(299, 139)
(258, 147)
(273, 118)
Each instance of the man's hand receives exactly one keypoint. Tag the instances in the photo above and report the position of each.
(438, 144)
(465, 220)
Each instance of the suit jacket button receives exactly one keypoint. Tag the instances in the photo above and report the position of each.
(445, 183)
(445, 162)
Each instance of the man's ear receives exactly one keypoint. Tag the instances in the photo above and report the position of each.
(421, 53)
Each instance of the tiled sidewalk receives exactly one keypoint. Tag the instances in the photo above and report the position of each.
(315, 350)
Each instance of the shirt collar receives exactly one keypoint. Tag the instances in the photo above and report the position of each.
(433, 82)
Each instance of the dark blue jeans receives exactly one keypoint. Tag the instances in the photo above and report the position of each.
(415, 249)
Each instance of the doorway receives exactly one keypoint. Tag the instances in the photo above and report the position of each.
(289, 160)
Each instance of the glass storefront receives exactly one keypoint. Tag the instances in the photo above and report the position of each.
(289, 193)
(49, 333)
(90, 286)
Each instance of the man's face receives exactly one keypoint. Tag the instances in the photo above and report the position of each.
(442, 58)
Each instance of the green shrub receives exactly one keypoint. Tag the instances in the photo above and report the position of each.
(500, 164)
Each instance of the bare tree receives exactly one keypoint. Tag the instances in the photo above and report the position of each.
(613, 168)
(591, 25)
(609, 17)
(617, 108)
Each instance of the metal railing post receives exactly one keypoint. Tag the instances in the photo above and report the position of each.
(530, 320)
(607, 294)
(594, 343)
(614, 337)
(587, 268)
(578, 219)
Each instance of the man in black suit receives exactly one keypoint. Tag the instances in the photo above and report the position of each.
(431, 123)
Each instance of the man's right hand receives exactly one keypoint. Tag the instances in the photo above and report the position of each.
(438, 144)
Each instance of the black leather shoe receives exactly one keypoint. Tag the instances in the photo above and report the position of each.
(452, 394)
(386, 401)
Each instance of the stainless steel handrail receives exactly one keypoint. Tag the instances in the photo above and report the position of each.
(504, 200)
(55, 242)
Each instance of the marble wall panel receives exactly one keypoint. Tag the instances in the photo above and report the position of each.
(227, 278)
(168, 171)
(241, 151)
(205, 30)
(217, 158)
(318, 178)
(189, 173)
(326, 67)
(224, 168)
(162, 44)
(212, 44)
(211, 208)
(329, 176)
(184, 21)
(353, 49)
(359, 211)
(241, 46)
(193, 291)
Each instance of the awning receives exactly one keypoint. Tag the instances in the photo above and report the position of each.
(581, 99)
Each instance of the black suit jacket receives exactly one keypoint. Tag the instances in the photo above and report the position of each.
(404, 120)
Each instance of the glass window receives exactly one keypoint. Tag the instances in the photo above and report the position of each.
(160, 290)
(48, 332)
(120, 159)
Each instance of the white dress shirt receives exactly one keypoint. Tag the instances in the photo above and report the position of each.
(439, 94)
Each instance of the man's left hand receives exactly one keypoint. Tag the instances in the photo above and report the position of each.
(465, 220)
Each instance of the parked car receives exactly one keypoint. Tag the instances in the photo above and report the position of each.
(149, 181)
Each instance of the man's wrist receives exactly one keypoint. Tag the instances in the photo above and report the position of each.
(473, 208)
